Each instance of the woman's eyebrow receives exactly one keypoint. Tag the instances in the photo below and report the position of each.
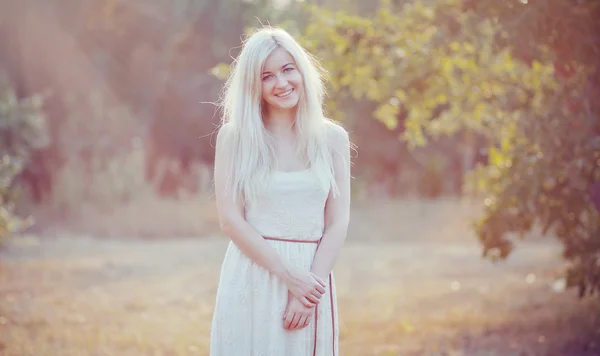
(283, 66)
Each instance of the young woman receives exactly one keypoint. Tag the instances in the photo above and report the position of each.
(282, 183)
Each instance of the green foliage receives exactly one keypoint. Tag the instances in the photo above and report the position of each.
(544, 176)
(442, 69)
(22, 129)
(417, 61)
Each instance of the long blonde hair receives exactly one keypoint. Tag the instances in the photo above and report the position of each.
(251, 144)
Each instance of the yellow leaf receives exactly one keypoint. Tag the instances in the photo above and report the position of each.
(401, 95)
(446, 66)
(495, 157)
(387, 114)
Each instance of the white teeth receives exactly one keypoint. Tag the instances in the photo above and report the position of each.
(285, 94)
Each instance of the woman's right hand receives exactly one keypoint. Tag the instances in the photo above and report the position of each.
(306, 286)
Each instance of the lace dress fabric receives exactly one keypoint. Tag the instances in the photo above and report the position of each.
(250, 302)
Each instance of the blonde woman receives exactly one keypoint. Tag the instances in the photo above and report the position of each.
(282, 184)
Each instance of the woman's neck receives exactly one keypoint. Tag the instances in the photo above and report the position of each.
(280, 123)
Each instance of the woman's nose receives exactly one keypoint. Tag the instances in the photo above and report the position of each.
(281, 81)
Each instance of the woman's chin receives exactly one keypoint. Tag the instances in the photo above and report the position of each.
(285, 105)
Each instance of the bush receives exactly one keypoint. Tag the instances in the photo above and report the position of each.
(22, 130)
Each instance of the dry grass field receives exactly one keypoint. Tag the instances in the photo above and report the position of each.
(410, 281)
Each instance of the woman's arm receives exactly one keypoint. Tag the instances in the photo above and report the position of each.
(337, 209)
(305, 286)
(231, 214)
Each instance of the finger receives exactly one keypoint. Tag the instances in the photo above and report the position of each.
(311, 299)
(307, 303)
(317, 294)
(288, 321)
(302, 322)
(308, 319)
(318, 279)
(299, 322)
(290, 316)
(320, 289)
(295, 321)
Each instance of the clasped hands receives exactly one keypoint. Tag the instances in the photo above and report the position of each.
(305, 292)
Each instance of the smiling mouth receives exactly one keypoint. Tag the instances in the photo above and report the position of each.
(284, 94)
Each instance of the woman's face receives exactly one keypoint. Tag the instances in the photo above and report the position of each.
(281, 81)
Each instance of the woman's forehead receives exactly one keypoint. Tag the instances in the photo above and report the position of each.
(277, 59)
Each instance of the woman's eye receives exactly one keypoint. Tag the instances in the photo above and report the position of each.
(267, 77)
(288, 69)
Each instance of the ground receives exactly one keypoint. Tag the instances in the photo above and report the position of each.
(411, 281)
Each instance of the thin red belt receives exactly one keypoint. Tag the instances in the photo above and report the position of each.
(317, 307)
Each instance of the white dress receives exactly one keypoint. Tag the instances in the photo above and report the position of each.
(250, 302)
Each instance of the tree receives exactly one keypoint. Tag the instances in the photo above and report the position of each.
(555, 172)
(22, 129)
(449, 70)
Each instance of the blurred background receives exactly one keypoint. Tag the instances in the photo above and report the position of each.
(476, 193)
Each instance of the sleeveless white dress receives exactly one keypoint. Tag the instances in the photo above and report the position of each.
(248, 315)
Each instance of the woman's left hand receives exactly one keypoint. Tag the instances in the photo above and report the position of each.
(297, 316)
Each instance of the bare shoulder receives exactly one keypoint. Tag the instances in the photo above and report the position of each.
(225, 130)
(337, 136)
(223, 147)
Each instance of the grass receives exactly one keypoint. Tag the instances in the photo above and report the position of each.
(410, 281)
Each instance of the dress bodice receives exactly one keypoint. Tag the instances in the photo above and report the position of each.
(291, 206)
